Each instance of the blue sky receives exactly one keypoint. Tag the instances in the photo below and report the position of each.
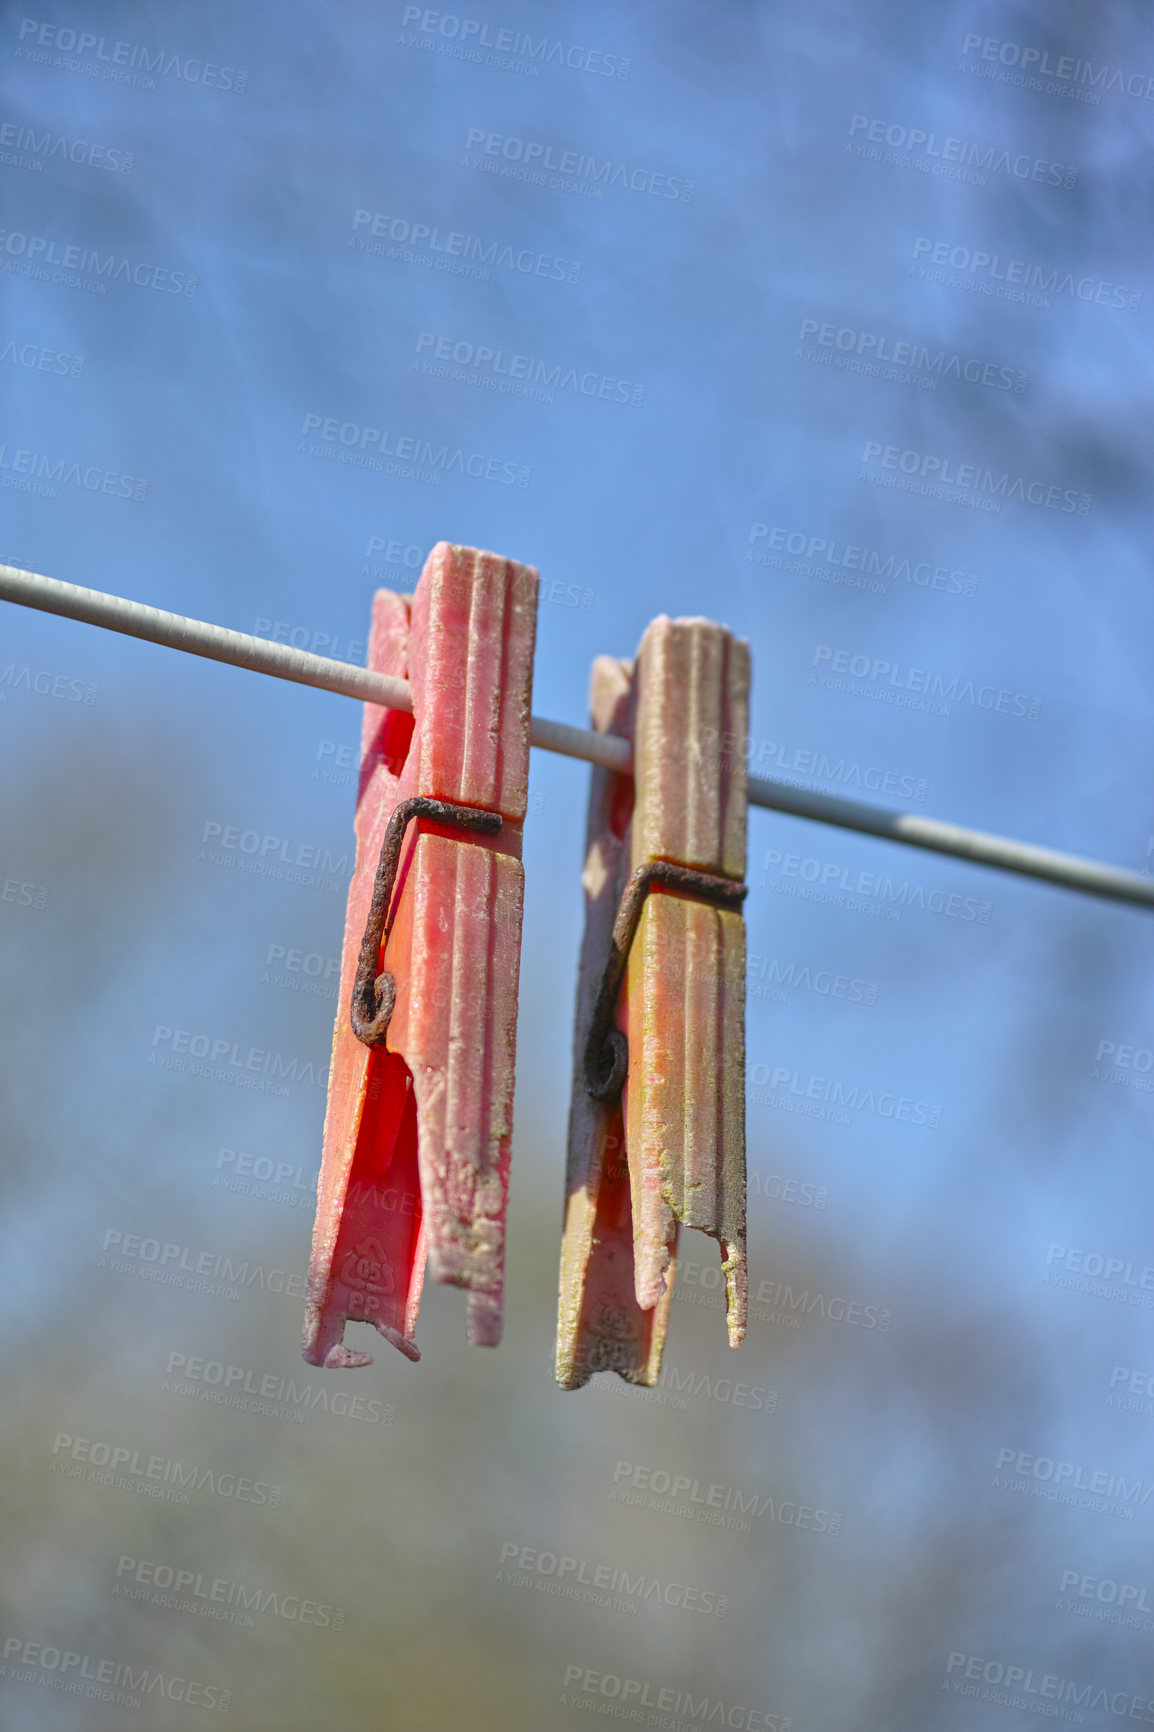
(832, 323)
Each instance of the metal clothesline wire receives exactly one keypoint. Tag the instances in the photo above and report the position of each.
(196, 637)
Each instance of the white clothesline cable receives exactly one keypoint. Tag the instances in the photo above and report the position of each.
(196, 637)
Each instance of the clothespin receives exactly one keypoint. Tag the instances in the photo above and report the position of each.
(420, 1108)
(657, 1116)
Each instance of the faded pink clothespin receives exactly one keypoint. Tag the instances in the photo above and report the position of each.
(420, 1109)
(657, 1117)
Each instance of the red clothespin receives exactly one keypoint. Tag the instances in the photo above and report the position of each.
(420, 1109)
(657, 1118)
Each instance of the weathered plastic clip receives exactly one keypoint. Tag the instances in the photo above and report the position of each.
(419, 1122)
(657, 1113)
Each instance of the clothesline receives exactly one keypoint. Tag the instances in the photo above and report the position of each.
(197, 637)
